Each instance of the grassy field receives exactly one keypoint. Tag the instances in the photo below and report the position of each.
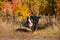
(10, 31)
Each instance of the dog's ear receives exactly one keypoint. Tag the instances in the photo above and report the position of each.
(39, 17)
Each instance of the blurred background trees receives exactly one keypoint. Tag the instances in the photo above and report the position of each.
(23, 8)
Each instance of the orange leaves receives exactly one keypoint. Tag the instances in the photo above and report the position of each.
(16, 2)
(8, 7)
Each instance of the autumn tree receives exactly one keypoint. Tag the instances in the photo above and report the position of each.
(2, 2)
(36, 6)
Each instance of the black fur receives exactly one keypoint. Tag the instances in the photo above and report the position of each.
(35, 20)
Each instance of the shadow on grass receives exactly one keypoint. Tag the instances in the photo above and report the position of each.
(22, 30)
(39, 28)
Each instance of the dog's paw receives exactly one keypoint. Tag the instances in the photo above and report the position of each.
(35, 32)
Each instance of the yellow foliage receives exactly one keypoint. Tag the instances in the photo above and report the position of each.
(1, 7)
(37, 5)
(22, 12)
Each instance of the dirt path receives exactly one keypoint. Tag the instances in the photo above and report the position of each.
(30, 39)
(20, 35)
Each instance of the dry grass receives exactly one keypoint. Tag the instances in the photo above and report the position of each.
(45, 30)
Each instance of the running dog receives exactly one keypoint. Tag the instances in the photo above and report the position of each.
(32, 22)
